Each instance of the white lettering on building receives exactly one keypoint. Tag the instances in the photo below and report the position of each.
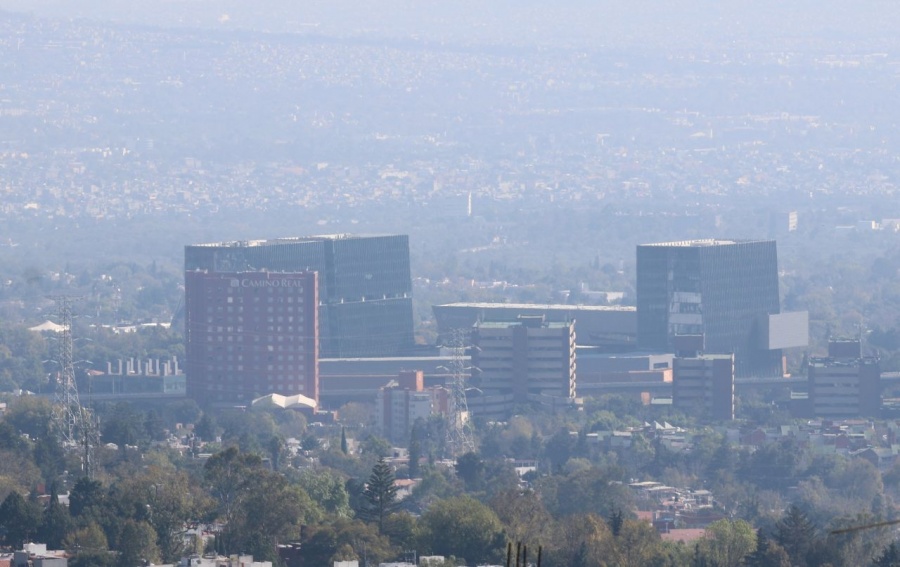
(273, 283)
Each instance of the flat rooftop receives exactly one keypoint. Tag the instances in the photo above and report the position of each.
(700, 242)
(289, 240)
(545, 307)
(508, 324)
(390, 359)
(832, 362)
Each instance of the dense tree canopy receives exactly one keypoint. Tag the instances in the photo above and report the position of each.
(463, 527)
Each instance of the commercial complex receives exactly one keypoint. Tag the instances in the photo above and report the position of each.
(524, 362)
(845, 383)
(365, 287)
(249, 334)
(724, 290)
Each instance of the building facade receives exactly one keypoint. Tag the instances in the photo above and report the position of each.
(401, 402)
(344, 380)
(844, 384)
(724, 290)
(703, 386)
(249, 334)
(608, 328)
(524, 362)
(365, 286)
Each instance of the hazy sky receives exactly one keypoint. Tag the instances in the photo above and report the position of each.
(579, 22)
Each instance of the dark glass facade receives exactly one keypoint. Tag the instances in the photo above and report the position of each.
(719, 289)
(365, 286)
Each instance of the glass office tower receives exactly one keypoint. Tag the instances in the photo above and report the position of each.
(723, 290)
(365, 287)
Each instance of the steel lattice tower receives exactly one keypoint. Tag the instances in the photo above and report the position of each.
(74, 424)
(459, 429)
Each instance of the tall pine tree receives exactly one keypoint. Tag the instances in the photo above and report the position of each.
(797, 534)
(380, 494)
(55, 523)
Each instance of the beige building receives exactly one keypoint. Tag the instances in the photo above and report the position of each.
(520, 363)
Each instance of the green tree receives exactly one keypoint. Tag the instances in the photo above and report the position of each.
(206, 428)
(636, 544)
(17, 472)
(154, 428)
(436, 484)
(277, 447)
(524, 516)
(463, 527)
(431, 434)
(616, 521)
(889, 557)
(727, 542)
(50, 457)
(772, 466)
(583, 540)
(345, 539)
(560, 448)
(326, 489)
(19, 520)
(170, 500)
(31, 415)
(355, 415)
(137, 544)
(856, 546)
(122, 425)
(595, 490)
(470, 469)
(796, 534)
(10, 440)
(249, 430)
(767, 554)
(86, 497)
(272, 511)
(88, 546)
(21, 352)
(158, 496)
(55, 522)
(400, 528)
(415, 453)
(380, 495)
(228, 475)
(375, 446)
(344, 447)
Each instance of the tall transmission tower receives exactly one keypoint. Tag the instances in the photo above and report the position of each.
(459, 429)
(73, 423)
